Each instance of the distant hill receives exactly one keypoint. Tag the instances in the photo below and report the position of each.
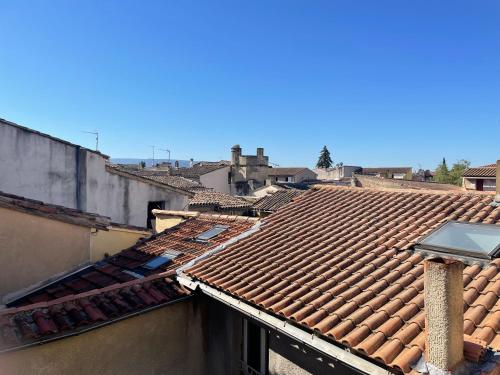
(149, 162)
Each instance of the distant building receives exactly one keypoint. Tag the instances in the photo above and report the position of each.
(215, 202)
(295, 175)
(338, 173)
(42, 167)
(248, 172)
(397, 173)
(480, 178)
(211, 175)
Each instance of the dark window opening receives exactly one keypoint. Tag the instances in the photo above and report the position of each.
(255, 348)
(480, 184)
(158, 205)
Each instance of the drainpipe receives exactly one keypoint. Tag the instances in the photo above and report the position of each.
(444, 317)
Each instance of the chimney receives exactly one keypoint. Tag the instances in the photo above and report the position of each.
(444, 316)
(235, 155)
(260, 152)
(497, 196)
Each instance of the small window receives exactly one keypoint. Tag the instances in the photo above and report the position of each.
(161, 260)
(215, 231)
(158, 205)
(255, 349)
(464, 239)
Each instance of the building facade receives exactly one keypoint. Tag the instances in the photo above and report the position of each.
(55, 171)
(248, 172)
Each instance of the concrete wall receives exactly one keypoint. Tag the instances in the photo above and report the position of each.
(378, 182)
(34, 248)
(163, 341)
(217, 180)
(43, 168)
(37, 167)
(112, 241)
(336, 173)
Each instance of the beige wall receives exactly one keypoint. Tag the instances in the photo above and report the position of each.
(112, 241)
(34, 248)
(163, 341)
(217, 180)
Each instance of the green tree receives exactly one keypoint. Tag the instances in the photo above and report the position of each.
(457, 172)
(442, 173)
(142, 164)
(324, 160)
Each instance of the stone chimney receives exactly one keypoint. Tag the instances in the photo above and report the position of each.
(235, 155)
(497, 196)
(444, 316)
(260, 152)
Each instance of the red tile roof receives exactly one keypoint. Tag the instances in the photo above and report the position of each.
(484, 171)
(276, 200)
(107, 290)
(54, 212)
(74, 313)
(337, 261)
(127, 264)
(219, 201)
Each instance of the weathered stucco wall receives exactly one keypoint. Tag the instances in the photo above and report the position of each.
(34, 248)
(48, 170)
(112, 241)
(37, 167)
(217, 180)
(162, 341)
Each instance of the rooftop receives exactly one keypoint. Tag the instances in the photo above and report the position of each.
(165, 177)
(131, 281)
(483, 171)
(52, 211)
(339, 263)
(275, 201)
(278, 171)
(219, 201)
(386, 169)
(199, 169)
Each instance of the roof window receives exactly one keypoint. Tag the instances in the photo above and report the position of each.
(161, 260)
(469, 240)
(211, 233)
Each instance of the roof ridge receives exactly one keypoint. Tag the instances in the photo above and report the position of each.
(403, 190)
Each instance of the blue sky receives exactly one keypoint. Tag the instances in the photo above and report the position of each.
(379, 82)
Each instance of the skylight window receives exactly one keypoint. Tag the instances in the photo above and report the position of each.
(161, 260)
(215, 231)
(464, 239)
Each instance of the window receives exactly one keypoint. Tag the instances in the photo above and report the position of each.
(157, 205)
(255, 349)
(463, 239)
(215, 231)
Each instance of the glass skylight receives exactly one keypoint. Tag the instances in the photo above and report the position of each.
(465, 239)
(215, 231)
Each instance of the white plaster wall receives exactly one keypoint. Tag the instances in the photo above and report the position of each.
(37, 167)
(125, 199)
(217, 180)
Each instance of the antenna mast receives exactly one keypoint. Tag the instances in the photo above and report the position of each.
(96, 133)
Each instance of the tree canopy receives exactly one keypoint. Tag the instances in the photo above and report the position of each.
(324, 160)
(451, 176)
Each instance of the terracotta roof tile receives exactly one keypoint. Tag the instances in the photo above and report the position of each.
(273, 202)
(336, 261)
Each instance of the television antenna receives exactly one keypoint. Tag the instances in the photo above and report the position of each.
(153, 147)
(96, 133)
(168, 151)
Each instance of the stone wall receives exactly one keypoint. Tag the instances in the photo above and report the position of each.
(378, 182)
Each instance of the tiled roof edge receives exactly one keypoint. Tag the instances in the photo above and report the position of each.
(93, 292)
(228, 217)
(53, 211)
(396, 190)
(29, 130)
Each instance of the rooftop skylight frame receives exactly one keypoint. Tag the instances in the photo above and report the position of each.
(211, 233)
(452, 251)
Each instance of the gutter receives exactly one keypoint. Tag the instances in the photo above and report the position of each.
(284, 327)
